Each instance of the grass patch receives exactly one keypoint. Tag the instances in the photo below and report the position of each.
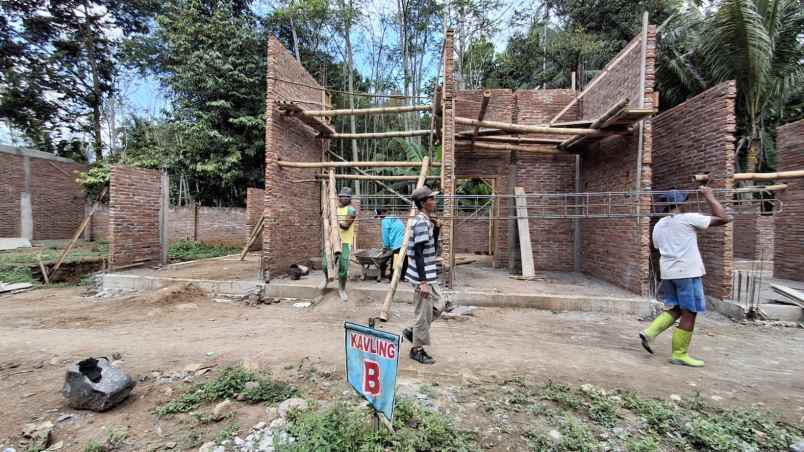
(94, 446)
(561, 394)
(16, 274)
(345, 427)
(189, 250)
(231, 382)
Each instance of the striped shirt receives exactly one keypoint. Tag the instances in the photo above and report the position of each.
(422, 232)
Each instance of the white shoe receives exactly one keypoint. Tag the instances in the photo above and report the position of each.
(323, 285)
(344, 296)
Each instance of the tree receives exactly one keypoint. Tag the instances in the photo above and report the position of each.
(758, 44)
(58, 59)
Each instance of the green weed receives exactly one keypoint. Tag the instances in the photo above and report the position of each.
(227, 433)
(561, 394)
(189, 250)
(15, 274)
(94, 446)
(642, 444)
(344, 427)
(231, 382)
(603, 409)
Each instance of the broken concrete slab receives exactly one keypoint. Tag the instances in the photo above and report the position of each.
(12, 287)
(94, 384)
(13, 243)
(781, 312)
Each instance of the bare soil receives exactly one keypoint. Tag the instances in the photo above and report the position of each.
(168, 330)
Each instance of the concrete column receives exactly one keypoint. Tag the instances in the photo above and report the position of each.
(26, 208)
(164, 205)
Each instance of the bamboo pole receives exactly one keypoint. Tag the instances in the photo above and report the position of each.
(42, 268)
(754, 189)
(389, 297)
(512, 147)
(366, 111)
(335, 226)
(526, 128)
(405, 164)
(598, 123)
(254, 234)
(635, 42)
(77, 234)
(511, 139)
(483, 106)
(758, 176)
(325, 221)
(395, 134)
(375, 178)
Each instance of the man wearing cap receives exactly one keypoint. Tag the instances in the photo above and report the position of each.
(423, 274)
(346, 222)
(681, 270)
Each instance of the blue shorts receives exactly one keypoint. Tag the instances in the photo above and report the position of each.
(686, 293)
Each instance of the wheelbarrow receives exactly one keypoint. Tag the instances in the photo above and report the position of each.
(373, 257)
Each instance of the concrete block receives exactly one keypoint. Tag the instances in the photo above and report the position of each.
(783, 312)
(13, 243)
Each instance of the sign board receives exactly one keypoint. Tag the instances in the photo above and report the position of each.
(372, 360)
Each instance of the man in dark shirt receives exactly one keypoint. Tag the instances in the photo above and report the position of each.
(423, 274)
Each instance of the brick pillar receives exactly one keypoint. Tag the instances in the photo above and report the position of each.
(788, 254)
(448, 155)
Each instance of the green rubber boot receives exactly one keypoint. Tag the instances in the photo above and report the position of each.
(681, 344)
(659, 324)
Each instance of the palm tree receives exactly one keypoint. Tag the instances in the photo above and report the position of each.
(758, 44)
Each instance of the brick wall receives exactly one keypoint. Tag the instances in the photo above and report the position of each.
(292, 210)
(539, 106)
(57, 200)
(788, 260)
(617, 250)
(255, 207)
(753, 236)
(133, 216)
(13, 176)
(698, 137)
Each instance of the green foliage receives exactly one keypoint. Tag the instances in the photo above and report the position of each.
(644, 444)
(95, 179)
(188, 250)
(344, 427)
(94, 446)
(227, 433)
(561, 394)
(231, 382)
(15, 274)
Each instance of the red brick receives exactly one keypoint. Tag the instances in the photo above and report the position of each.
(788, 260)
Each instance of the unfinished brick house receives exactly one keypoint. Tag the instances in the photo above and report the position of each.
(605, 139)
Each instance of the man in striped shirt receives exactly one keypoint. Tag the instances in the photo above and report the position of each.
(423, 274)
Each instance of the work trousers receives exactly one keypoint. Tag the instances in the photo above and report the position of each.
(426, 310)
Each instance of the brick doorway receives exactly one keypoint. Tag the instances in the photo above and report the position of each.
(475, 224)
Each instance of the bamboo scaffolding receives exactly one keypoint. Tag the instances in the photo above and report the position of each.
(526, 128)
(365, 111)
(795, 174)
(372, 135)
(375, 177)
(327, 228)
(512, 147)
(386, 306)
(613, 111)
(756, 189)
(253, 237)
(483, 106)
(405, 164)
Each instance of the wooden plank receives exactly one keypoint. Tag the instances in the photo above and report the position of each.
(525, 128)
(77, 234)
(325, 221)
(389, 297)
(796, 296)
(526, 251)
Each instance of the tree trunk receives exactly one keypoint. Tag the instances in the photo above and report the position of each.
(95, 98)
(347, 31)
(295, 38)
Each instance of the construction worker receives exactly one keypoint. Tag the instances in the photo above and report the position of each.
(681, 269)
(423, 274)
(393, 232)
(346, 223)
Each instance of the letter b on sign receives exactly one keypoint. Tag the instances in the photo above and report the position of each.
(371, 377)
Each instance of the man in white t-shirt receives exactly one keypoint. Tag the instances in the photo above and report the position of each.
(681, 270)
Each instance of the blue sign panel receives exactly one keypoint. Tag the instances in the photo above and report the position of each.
(372, 359)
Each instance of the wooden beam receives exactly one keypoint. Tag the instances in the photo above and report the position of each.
(526, 250)
(795, 174)
(405, 164)
(364, 111)
(635, 42)
(598, 123)
(373, 135)
(511, 139)
(513, 147)
(376, 177)
(319, 124)
(77, 234)
(525, 128)
(484, 103)
(389, 297)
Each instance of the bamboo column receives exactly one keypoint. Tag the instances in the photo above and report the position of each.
(335, 226)
(389, 297)
(325, 221)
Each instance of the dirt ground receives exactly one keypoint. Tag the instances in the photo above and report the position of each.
(44, 330)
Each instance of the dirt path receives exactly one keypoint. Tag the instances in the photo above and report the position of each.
(45, 329)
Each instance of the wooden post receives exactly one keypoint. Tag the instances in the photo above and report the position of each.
(77, 234)
(325, 220)
(42, 268)
(335, 227)
(164, 205)
(483, 106)
(526, 251)
(389, 297)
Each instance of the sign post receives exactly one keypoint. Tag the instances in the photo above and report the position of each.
(372, 360)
